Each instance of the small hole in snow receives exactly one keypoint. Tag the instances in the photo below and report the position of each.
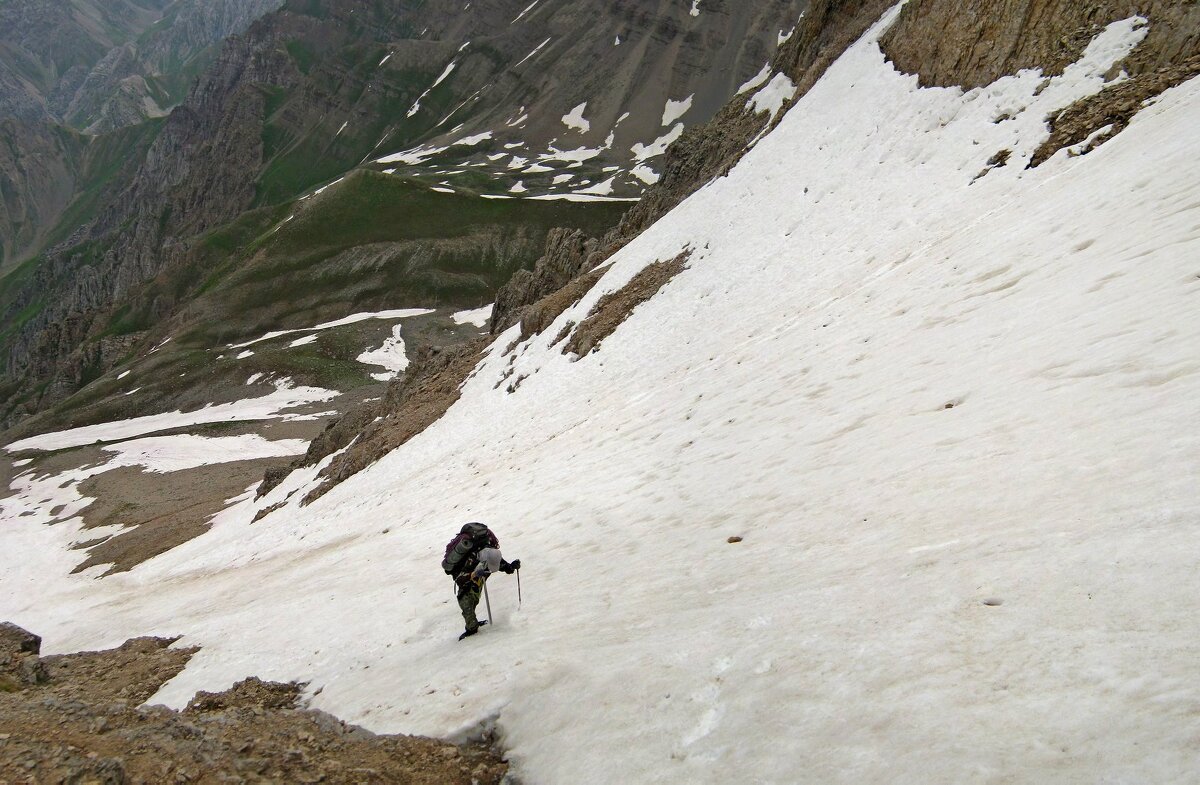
(993, 601)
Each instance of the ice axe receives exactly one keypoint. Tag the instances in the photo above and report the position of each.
(518, 588)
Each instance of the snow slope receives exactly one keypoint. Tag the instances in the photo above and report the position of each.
(909, 390)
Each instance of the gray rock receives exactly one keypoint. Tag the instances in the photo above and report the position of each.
(17, 640)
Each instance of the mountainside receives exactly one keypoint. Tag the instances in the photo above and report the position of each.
(318, 88)
(74, 70)
(860, 449)
(101, 66)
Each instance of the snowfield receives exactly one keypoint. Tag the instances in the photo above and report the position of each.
(954, 420)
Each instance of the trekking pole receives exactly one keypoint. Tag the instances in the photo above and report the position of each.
(518, 588)
(488, 600)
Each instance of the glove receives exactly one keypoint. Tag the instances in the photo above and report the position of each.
(510, 567)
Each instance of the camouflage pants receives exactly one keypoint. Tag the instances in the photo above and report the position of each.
(469, 593)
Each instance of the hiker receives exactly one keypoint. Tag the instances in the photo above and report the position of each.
(471, 557)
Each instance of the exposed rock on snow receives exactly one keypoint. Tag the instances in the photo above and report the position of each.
(1096, 119)
(614, 308)
(950, 43)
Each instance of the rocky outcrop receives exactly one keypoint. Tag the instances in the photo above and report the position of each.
(973, 44)
(1093, 121)
(85, 723)
(20, 665)
(567, 253)
(970, 44)
(611, 310)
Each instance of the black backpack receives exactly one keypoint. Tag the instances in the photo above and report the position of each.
(461, 552)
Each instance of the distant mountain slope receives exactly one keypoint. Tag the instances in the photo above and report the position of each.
(98, 66)
(321, 87)
(47, 47)
(75, 69)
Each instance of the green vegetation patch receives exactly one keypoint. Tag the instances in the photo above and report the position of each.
(370, 207)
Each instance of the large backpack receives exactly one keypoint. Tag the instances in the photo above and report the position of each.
(461, 552)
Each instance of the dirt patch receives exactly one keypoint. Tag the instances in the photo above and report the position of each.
(1113, 107)
(974, 43)
(85, 724)
(165, 510)
(614, 308)
(159, 510)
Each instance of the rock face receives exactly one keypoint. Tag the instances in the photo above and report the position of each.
(38, 166)
(974, 43)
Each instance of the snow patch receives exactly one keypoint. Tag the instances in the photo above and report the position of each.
(521, 15)
(641, 152)
(772, 97)
(575, 119)
(756, 81)
(275, 405)
(676, 109)
(645, 174)
(536, 49)
(478, 317)
(416, 107)
(390, 356)
(354, 318)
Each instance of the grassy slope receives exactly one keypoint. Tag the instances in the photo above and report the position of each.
(441, 249)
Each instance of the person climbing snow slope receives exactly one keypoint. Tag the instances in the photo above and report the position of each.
(471, 557)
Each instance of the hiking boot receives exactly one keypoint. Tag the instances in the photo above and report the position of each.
(471, 631)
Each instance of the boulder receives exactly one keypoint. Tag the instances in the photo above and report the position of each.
(19, 661)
